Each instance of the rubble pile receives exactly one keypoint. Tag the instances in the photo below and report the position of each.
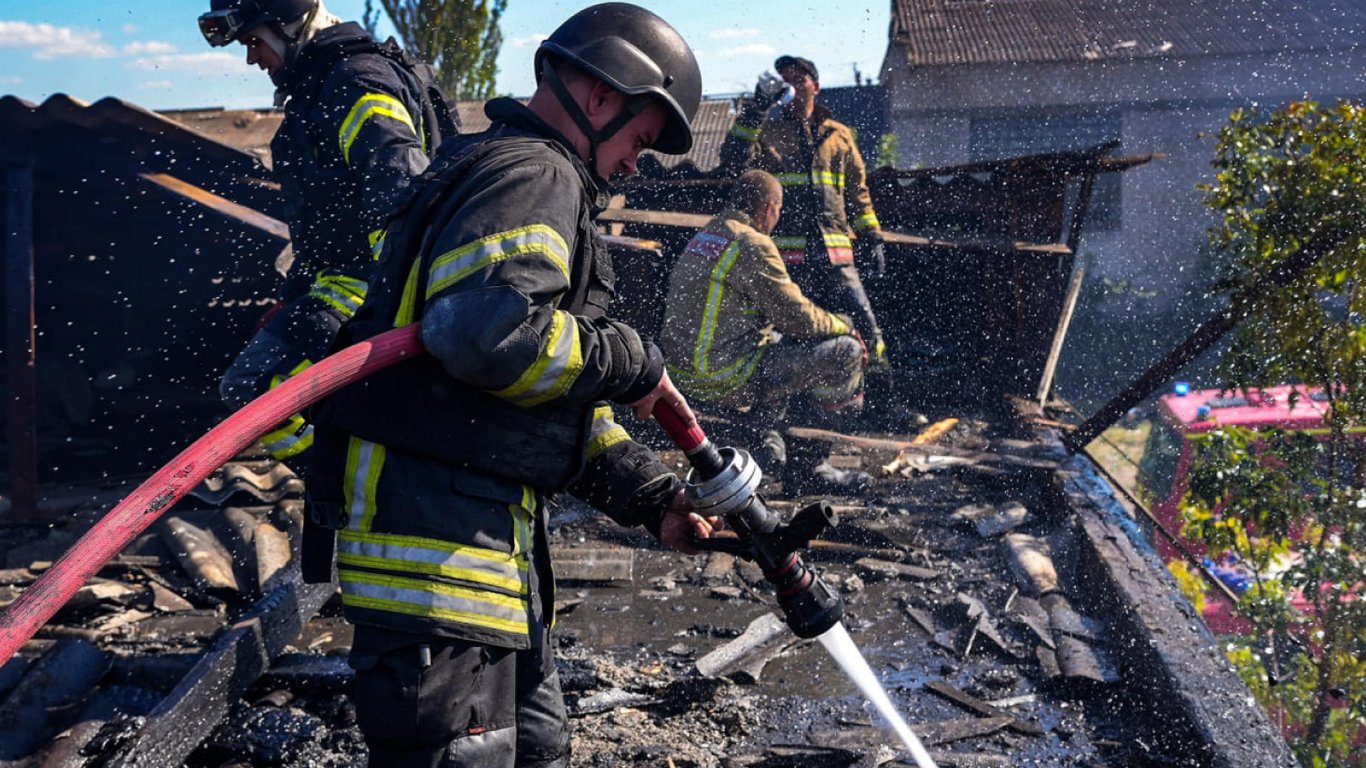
(955, 577)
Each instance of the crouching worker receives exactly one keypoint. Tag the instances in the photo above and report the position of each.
(439, 467)
(738, 332)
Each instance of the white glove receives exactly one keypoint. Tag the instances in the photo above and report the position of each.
(770, 88)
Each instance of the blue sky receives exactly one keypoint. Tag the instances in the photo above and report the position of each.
(150, 51)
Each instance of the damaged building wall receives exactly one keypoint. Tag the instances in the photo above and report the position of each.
(968, 82)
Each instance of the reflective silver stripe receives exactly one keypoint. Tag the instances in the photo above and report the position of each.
(415, 554)
(452, 267)
(419, 597)
(605, 432)
(364, 461)
(554, 370)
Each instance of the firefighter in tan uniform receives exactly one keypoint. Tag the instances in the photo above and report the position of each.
(828, 217)
(738, 332)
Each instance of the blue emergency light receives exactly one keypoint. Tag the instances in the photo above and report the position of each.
(1182, 388)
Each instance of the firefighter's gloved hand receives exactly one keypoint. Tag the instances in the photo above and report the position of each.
(878, 355)
(870, 254)
(771, 89)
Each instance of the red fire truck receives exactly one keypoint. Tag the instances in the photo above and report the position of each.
(1164, 471)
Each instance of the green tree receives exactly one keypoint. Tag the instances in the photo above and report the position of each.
(888, 153)
(1293, 505)
(461, 38)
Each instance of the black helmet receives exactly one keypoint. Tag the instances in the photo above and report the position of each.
(637, 53)
(228, 20)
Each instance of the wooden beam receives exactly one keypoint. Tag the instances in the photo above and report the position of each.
(902, 238)
(661, 218)
(21, 344)
(880, 444)
(1204, 337)
(221, 205)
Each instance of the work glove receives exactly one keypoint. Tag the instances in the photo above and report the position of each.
(870, 254)
(877, 356)
(771, 89)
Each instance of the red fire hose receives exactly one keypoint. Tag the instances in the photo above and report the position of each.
(162, 490)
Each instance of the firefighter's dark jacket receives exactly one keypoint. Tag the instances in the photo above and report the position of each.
(361, 121)
(497, 256)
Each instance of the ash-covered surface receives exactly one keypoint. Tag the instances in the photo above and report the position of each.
(931, 598)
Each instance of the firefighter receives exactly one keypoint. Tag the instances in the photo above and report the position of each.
(827, 200)
(738, 332)
(444, 463)
(361, 120)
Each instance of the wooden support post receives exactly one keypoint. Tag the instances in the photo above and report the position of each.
(20, 346)
(1069, 306)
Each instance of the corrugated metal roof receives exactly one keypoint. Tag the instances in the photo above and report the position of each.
(945, 32)
(252, 129)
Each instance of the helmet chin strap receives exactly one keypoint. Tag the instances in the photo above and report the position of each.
(634, 106)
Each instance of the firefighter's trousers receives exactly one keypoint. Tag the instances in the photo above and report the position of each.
(431, 702)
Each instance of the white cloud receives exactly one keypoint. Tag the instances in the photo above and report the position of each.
(530, 41)
(753, 49)
(51, 42)
(738, 33)
(142, 48)
(206, 62)
(11, 80)
(157, 85)
(130, 29)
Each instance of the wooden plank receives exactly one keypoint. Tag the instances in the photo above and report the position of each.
(764, 638)
(945, 731)
(21, 345)
(632, 243)
(981, 707)
(231, 665)
(877, 443)
(661, 218)
(31, 713)
(598, 564)
(221, 205)
(903, 238)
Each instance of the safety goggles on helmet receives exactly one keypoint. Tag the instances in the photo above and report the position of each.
(222, 27)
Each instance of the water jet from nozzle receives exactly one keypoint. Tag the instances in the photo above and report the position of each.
(842, 649)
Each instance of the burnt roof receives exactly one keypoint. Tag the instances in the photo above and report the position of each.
(942, 32)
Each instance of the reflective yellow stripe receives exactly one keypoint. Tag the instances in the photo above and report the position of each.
(454, 266)
(837, 326)
(828, 179)
(376, 243)
(867, 221)
(345, 294)
(416, 554)
(605, 432)
(793, 179)
(416, 597)
(718, 383)
(747, 134)
(364, 461)
(715, 292)
(521, 521)
(408, 304)
(554, 370)
(291, 439)
(837, 240)
(295, 435)
(368, 106)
